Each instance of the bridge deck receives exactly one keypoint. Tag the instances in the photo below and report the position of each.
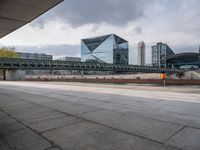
(30, 64)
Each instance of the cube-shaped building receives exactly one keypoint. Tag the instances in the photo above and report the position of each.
(105, 49)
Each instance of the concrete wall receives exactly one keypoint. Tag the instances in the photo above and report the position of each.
(15, 75)
(191, 75)
(127, 76)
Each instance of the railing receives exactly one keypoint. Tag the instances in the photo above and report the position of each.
(32, 64)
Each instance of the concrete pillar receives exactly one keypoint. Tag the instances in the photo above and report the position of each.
(14, 75)
(4, 74)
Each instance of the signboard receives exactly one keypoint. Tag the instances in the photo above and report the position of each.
(163, 76)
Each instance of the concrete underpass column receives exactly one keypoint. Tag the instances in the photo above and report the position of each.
(14, 75)
(4, 74)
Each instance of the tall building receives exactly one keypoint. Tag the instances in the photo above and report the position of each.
(160, 52)
(105, 49)
(141, 53)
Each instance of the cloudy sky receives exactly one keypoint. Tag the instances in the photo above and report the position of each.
(59, 31)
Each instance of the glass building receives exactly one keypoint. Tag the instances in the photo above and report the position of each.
(184, 60)
(105, 49)
(160, 52)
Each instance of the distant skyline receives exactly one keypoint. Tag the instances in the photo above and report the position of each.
(59, 31)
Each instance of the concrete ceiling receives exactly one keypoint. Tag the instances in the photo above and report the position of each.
(16, 13)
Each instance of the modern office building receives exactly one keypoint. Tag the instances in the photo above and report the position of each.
(105, 49)
(160, 52)
(73, 59)
(184, 60)
(141, 53)
(35, 56)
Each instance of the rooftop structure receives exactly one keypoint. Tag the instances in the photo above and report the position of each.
(182, 60)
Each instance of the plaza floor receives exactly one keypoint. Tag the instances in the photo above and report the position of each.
(83, 116)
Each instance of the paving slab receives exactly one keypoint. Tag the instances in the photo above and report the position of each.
(51, 124)
(6, 119)
(91, 136)
(184, 108)
(53, 148)
(27, 140)
(186, 139)
(90, 102)
(181, 118)
(4, 145)
(2, 114)
(99, 104)
(17, 136)
(35, 114)
(69, 107)
(130, 100)
(36, 98)
(146, 112)
(7, 101)
(90, 95)
(19, 107)
(137, 120)
(144, 127)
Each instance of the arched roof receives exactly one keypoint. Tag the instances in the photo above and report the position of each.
(189, 54)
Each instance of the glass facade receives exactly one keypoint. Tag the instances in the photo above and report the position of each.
(105, 49)
(183, 60)
(160, 52)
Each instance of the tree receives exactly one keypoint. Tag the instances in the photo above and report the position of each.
(7, 53)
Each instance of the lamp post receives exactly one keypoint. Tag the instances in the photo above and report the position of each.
(163, 76)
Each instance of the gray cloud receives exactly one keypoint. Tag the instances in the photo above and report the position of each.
(81, 12)
(187, 48)
(136, 30)
(55, 50)
(187, 20)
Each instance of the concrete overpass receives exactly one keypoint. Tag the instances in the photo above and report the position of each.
(31, 64)
(16, 13)
(12, 64)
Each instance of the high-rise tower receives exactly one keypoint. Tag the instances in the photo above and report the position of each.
(141, 53)
(160, 52)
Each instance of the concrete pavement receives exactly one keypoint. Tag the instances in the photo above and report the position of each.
(75, 116)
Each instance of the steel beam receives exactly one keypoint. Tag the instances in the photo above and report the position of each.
(31, 64)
